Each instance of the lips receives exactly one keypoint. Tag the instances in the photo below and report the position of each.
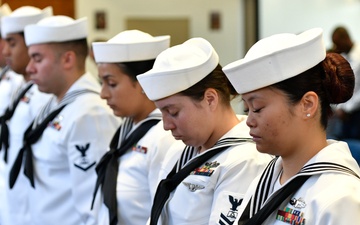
(177, 137)
(111, 106)
(255, 137)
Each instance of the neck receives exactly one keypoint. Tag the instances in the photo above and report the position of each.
(223, 124)
(293, 163)
(68, 82)
(148, 107)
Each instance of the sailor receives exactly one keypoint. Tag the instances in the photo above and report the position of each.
(287, 83)
(65, 141)
(207, 183)
(25, 103)
(9, 81)
(128, 173)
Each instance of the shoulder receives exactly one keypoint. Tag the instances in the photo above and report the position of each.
(335, 194)
(245, 152)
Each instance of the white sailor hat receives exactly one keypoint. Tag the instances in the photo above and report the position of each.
(129, 46)
(56, 29)
(178, 68)
(276, 58)
(21, 17)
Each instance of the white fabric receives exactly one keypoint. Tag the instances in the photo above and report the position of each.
(56, 29)
(130, 45)
(178, 68)
(138, 177)
(21, 17)
(63, 191)
(237, 168)
(329, 198)
(10, 83)
(276, 58)
(16, 212)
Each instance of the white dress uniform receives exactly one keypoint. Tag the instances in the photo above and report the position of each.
(65, 157)
(15, 199)
(9, 84)
(330, 198)
(212, 193)
(138, 176)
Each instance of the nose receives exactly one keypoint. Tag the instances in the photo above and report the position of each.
(250, 121)
(104, 93)
(6, 50)
(30, 69)
(168, 124)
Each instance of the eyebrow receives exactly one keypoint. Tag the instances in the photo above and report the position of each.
(106, 76)
(36, 54)
(251, 99)
(8, 39)
(167, 106)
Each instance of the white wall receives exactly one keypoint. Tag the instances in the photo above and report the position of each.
(278, 16)
(228, 41)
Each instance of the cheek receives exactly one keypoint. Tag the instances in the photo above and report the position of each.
(123, 96)
(277, 126)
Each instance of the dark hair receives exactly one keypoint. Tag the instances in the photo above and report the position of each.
(132, 69)
(217, 80)
(79, 46)
(332, 80)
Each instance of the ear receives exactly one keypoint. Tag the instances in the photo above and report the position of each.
(309, 104)
(211, 98)
(68, 59)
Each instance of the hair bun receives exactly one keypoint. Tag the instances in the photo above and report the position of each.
(339, 80)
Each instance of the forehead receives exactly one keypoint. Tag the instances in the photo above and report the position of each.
(263, 93)
(40, 48)
(107, 66)
(172, 101)
(14, 37)
(110, 70)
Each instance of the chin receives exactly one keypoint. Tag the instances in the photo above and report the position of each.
(44, 90)
(261, 149)
(118, 114)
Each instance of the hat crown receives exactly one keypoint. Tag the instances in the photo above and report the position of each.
(271, 44)
(56, 21)
(131, 36)
(191, 53)
(26, 11)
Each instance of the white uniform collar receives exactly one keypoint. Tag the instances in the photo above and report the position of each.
(335, 152)
(86, 81)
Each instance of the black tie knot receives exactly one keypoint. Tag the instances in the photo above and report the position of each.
(7, 115)
(31, 136)
(107, 169)
(167, 184)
